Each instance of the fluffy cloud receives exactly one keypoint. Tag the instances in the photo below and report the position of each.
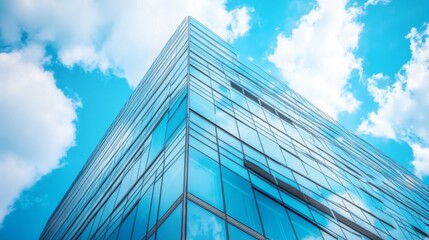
(119, 37)
(122, 37)
(421, 160)
(402, 112)
(36, 123)
(376, 2)
(318, 58)
(376, 124)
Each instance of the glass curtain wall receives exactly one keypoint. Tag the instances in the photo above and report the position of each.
(209, 147)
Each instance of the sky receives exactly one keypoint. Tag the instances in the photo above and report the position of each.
(68, 66)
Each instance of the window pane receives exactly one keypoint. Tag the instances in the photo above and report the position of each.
(171, 228)
(240, 203)
(303, 228)
(294, 162)
(158, 137)
(295, 204)
(127, 226)
(230, 140)
(256, 109)
(155, 204)
(274, 218)
(237, 234)
(109, 206)
(204, 178)
(125, 184)
(201, 224)
(273, 120)
(238, 98)
(176, 119)
(226, 121)
(143, 208)
(271, 148)
(114, 235)
(249, 135)
(172, 186)
(265, 186)
(259, 158)
(203, 123)
(202, 105)
(199, 75)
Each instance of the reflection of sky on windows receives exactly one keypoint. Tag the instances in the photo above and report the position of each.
(312, 238)
(303, 228)
(240, 202)
(171, 228)
(200, 168)
(226, 121)
(202, 224)
(234, 121)
(236, 234)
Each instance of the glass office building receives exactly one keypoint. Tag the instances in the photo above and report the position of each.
(210, 148)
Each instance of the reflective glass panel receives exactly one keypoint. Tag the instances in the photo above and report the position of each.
(127, 226)
(171, 228)
(303, 228)
(175, 120)
(143, 207)
(204, 178)
(202, 105)
(249, 135)
(201, 224)
(274, 218)
(155, 204)
(172, 186)
(158, 137)
(236, 234)
(240, 202)
(295, 204)
(226, 121)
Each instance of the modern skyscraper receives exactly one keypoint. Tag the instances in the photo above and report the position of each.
(210, 148)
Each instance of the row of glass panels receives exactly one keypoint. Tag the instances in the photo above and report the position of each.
(349, 168)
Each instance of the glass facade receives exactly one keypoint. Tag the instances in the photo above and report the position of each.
(210, 148)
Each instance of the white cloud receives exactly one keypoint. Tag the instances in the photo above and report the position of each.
(402, 112)
(240, 23)
(36, 123)
(318, 59)
(123, 37)
(421, 160)
(376, 2)
(376, 124)
(207, 227)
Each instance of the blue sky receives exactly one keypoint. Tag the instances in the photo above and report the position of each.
(67, 67)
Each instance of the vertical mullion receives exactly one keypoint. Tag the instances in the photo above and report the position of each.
(185, 178)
